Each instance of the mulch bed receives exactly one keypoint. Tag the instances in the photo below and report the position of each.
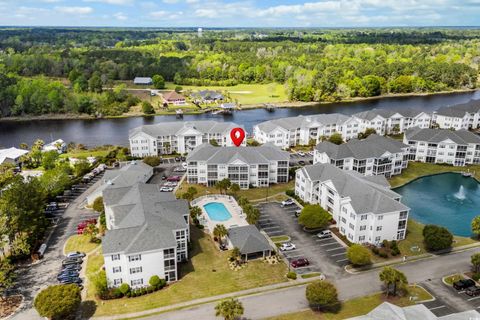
(9, 305)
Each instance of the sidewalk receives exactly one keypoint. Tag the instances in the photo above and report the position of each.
(191, 303)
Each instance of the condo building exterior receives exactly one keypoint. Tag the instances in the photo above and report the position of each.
(245, 166)
(301, 130)
(392, 121)
(462, 116)
(147, 234)
(179, 137)
(364, 207)
(375, 155)
(457, 148)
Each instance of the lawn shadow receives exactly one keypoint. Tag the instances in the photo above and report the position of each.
(194, 249)
(88, 309)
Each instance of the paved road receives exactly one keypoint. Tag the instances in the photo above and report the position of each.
(40, 275)
(349, 286)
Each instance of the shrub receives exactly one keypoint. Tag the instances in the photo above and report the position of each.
(292, 275)
(437, 238)
(290, 192)
(314, 216)
(117, 293)
(476, 276)
(147, 108)
(98, 204)
(322, 295)
(375, 250)
(383, 254)
(124, 288)
(162, 283)
(99, 281)
(358, 255)
(154, 281)
(152, 161)
(58, 302)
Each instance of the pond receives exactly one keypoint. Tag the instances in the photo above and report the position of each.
(450, 200)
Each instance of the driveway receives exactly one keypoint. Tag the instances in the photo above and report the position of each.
(34, 277)
(325, 255)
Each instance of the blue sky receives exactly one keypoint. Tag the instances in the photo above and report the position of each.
(237, 13)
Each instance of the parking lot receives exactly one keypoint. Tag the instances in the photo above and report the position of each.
(325, 255)
(299, 159)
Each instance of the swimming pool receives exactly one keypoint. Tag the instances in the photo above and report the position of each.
(217, 211)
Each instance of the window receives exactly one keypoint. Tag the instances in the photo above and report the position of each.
(362, 228)
(136, 282)
(380, 218)
(135, 257)
(377, 239)
(117, 269)
(379, 228)
(135, 270)
(361, 238)
(115, 257)
(117, 282)
(351, 226)
(364, 217)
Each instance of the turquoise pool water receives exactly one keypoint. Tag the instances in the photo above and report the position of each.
(448, 199)
(217, 211)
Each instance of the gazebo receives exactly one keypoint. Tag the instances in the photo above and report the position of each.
(251, 243)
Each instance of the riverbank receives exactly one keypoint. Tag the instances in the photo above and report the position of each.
(278, 105)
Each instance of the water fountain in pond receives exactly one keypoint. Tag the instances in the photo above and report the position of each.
(460, 194)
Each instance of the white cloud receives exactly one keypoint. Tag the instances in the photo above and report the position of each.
(74, 10)
(116, 2)
(158, 14)
(170, 1)
(191, 1)
(120, 16)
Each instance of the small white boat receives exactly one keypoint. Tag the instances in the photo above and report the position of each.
(179, 113)
(467, 174)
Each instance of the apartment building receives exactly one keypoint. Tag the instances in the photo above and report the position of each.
(462, 116)
(301, 130)
(364, 207)
(147, 234)
(375, 155)
(457, 148)
(180, 137)
(245, 166)
(389, 121)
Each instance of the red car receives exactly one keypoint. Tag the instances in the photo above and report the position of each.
(174, 178)
(301, 262)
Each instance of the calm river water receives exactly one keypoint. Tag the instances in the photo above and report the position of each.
(115, 131)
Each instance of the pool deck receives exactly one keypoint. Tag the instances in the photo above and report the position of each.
(237, 219)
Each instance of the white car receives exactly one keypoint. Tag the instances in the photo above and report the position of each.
(301, 154)
(287, 246)
(287, 202)
(324, 234)
(166, 189)
(184, 165)
(310, 153)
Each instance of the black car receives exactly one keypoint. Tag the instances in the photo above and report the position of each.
(463, 284)
(70, 261)
(68, 273)
(473, 291)
(301, 162)
(183, 158)
(70, 280)
(177, 159)
(71, 267)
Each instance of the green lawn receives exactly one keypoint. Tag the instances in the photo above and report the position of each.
(80, 243)
(418, 169)
(280, 238)
(453, 278)
(245, 94)
(94, 263)
(206, 274)
(250, 194)
(415, 238)
(310, 275)
(357, 307)
(83, 154)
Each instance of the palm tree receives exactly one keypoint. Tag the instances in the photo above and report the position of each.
(195, 212)
(234, 188)
(219, 232)
(229, 309)
(235, 254)
(391, 276)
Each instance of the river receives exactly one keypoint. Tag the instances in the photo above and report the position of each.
(115, 131)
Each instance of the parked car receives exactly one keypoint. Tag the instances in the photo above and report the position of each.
(298, 212)
(183, 158)
(310, 153)
(301, 162)
(300, 262)
(463, 284)
(164, 177)
(177, 159)
(287, 202)
(68, 273)
(301, 154)
(71, 280)
(324, 234)
(473, 291)
(68, 261)
(184, 165)
(174, 178)
(75, 254)
(71, 267)
(287, 246)
(166, 189)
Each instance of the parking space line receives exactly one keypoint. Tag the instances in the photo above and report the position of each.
(473, 298)
(341, 260)
(267, 228)
(333, 249)
(328, 244)
(442, 306)
(337, 254)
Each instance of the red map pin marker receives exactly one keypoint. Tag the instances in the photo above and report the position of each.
(237, 135)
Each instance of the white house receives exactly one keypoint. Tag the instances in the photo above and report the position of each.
(147, 234)
(58, 145)
(364, 207)
(457, 148)
(301, 130)
(11, 155)
(388, 121)
(245, 166)
(372, 156)
(462, 116)
(180, 137)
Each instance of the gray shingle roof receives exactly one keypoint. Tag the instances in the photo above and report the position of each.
(459, 110)
(451, 112)
(293, 123)
(248, 239)
(438, 135)
(367, 195)
(142, 80)
(251, 155)
(173, 128)
(387, 113)
(144, 219)
(372, 147)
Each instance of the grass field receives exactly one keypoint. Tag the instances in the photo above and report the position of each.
(80, 243)
(357, 307)
(206, 274)
(418, 169)
(246, 94)
(83, 154)
(250, 194)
